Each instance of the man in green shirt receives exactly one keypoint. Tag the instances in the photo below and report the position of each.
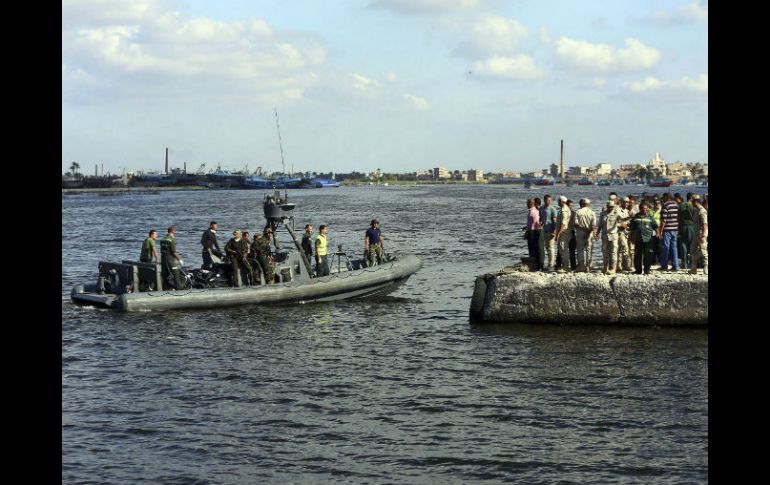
(148, 248)
(170, 260)
(643, 226)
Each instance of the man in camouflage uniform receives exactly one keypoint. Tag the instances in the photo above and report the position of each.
(233, 249)
(171, 261)
(261, 249)
(700, 238)
(624, 252)
(244, 251)
(608, 229)
(563, 233)
(585, 223)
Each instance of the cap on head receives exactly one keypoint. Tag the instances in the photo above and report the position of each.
(562, 198)
(626, 199)
(236, 232)
(587, 201)
(695, 197)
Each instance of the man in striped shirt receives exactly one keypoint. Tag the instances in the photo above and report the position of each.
(669, 216)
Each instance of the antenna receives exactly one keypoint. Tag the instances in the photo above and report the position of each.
(280, 144)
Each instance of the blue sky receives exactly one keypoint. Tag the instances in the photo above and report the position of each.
(400, 85)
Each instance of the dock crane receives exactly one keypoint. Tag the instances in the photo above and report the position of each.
(202, 169)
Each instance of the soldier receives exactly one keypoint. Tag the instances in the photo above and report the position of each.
(233, 250)
(210, 245)
(148, 248)
(585, 223)
(261, 249)
(374, 244)
(307, 242)
(171, 261)
(624, 220)
(245, 249)
(563, 234)
(322, 252)
(700, 241)
(572, 241)
(547, 242)
(643, 226)
(608, 229)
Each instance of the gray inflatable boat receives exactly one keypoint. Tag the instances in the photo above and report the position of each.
(118, 281)
(134, 286)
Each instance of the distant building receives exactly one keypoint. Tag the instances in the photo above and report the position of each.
(554, 170)
(441, 173)
(658, 164)
(603, 169)
(475, 175)
(513, 175)
(578, 170)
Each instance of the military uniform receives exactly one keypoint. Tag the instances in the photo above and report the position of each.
(233, 250)
(624, 251)
(642, 230)
(565, 236)
(261, 249)
(608, 227)
(700, 241)
(585, 221)
(169, 264)
(148, 250)
(245, 247)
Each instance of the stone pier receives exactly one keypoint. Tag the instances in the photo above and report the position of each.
(665, 299)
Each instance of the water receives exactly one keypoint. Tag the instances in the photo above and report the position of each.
(402, 390)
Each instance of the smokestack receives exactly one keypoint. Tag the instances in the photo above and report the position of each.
(102, 170)
(561, 163)
(96, 170)
(185, 168)
(166, 160)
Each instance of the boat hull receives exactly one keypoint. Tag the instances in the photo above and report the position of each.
(367, 282)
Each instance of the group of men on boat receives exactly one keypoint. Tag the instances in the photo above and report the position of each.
(249, 259)
(635, 234)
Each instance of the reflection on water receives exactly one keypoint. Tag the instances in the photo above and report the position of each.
(399, 390)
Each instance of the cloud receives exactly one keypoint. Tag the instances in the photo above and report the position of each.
(417, 102)
(694, 12)
(605, 58)
(141, 46)
(492, 33)
(699, 85)
(428, 6)
(519, 67)
(364, 84)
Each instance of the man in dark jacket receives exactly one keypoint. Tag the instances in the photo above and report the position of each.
(210, 245)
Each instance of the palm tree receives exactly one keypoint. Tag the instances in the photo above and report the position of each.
(74, 167)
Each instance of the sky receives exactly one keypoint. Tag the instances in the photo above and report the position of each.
(395, 85)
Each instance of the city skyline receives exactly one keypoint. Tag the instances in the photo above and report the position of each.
(389, 84)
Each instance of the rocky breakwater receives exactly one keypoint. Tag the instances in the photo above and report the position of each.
(515, 294)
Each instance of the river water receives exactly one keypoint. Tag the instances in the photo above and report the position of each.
(399, 390)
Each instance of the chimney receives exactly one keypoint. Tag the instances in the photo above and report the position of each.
(185, 168)
(166, 160)
(561, 163)
(96, 170)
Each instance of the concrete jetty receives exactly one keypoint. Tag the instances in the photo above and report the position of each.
(515, 294)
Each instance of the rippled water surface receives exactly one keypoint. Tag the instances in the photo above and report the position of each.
(399, 390)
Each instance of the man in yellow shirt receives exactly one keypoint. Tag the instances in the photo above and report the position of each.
(322, 252)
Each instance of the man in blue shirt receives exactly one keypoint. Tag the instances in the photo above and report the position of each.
(373, 243)
(547, 242)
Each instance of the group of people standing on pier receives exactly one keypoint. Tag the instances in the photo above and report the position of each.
(634, 233)
(249, 259)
